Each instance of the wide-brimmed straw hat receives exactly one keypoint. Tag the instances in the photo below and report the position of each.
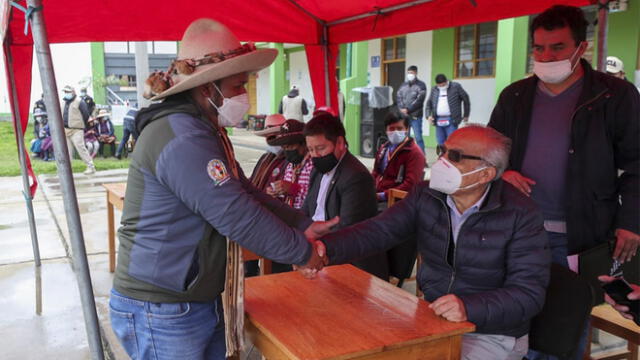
(271, 125)
(103, 113)
(208, 51)
(290, 133)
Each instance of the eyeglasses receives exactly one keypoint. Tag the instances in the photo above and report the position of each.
(455, 155)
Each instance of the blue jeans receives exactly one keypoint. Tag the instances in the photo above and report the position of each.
(129, 129)
(559, 252)
(187, 330)
(443, 132)
(416, 126)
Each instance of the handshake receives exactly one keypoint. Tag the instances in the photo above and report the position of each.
(318, 258)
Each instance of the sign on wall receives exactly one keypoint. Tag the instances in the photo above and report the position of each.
(375, 61)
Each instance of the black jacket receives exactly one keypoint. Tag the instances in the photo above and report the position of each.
(501, 260)
(352, 196)
(411, 96)
(455, 96)
(605, 135)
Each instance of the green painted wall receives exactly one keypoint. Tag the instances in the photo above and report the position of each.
(359, 57)
(511, 52)
(624, 36)
(441, 63)
(278, 83)
(98, 73)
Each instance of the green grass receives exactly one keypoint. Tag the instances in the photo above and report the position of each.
(10, 165)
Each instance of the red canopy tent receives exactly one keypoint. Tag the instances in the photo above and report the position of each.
(309, 22)
(319, 25)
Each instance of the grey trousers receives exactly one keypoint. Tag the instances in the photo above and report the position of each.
(495, 347)
(75, 139)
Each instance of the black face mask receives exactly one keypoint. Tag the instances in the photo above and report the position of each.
(293, 156)
(324, 164)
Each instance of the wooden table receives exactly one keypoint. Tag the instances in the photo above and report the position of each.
(606, 318)
(115, 197)
(344, 313)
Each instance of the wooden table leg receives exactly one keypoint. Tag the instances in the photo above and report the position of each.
(112, 236)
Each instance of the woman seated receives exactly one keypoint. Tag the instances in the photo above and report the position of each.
(91, 138)
(106, 135)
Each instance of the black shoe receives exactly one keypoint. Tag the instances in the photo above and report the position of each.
(119, 157)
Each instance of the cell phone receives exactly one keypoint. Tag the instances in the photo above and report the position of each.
(618, 290)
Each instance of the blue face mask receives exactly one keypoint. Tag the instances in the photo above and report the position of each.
(396, 137)
(68, 96)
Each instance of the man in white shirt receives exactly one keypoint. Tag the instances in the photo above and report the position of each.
(443, 107)
(340, 184)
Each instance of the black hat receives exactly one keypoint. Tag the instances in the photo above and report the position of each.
(290, 133)
(440, 78)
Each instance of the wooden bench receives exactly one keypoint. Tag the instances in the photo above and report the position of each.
(606, 318)
(115, 198)
(345, 313)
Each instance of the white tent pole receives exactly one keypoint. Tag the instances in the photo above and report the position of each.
(79, 255)
(142, 72)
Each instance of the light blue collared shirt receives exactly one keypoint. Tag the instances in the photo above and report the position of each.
(457, 219)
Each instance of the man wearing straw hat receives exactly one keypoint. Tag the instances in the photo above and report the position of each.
(186, 197)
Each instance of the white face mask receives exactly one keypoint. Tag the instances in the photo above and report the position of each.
(274, 149)
(411, 77)
(443, 86)
(555, 72)
(447, 178)
(232, 111)
(396, 137)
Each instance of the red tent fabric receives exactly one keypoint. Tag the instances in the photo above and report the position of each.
(287, 21)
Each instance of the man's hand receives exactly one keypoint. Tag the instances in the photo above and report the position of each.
(520, 182)
(623, 310)
(432, 120)
(316, 262)
(404, 111)
(280, 187)
(465, 119)
(320, 228)
(450, 307)
(627, 244)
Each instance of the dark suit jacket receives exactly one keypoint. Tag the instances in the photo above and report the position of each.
(352, 196)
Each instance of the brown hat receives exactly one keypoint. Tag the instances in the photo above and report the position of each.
(208, 51)
(272, 125)
(290, 133)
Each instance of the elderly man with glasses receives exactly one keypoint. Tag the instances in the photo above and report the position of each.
(485, 251)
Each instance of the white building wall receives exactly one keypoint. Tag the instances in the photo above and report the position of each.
(419, 54)
(375, 74)
(263, 93)
(481, 96)
(71, 64)
(299, 76)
